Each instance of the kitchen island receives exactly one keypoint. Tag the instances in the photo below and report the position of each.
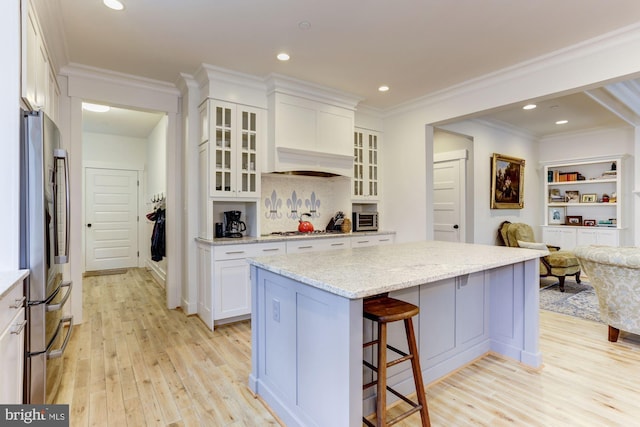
(308, 330)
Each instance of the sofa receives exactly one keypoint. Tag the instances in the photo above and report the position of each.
(615, 276)
(555, 262)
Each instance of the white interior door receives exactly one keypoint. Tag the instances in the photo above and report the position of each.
(111, 215)
(449, 176)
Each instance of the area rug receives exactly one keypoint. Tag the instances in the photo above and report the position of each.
(578, 299)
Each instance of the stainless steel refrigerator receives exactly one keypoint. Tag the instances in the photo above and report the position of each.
(44, 249)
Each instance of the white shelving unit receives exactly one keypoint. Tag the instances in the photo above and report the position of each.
(584, 202)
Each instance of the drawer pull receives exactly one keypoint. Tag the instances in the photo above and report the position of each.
(270, 249)
(362, 241)
(305, 247)
(337, 244)
(17, 328)
(19, 302)
(234, 252)
(384, 240)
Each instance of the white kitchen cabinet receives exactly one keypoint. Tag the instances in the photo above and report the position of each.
(39, 88)
(12, 336)
(232, 132)
(365, 165)
(224, 285)
(361, 241)
(296, 246)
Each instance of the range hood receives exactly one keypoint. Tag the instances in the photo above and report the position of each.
(310, 128)
(314, 163)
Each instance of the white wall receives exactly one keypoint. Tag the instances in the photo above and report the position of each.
(114, 151)
(155, 185)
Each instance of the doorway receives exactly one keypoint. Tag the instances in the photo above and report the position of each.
(124, 164)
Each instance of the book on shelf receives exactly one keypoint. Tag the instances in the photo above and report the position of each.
(558, 176)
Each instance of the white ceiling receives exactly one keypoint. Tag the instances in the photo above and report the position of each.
(417, 47)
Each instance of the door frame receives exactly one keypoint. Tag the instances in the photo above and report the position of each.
(140, 205)
(461, 156)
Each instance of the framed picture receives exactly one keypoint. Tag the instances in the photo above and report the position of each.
(589, 198)
(589, 222)
(573, 220)
(507, 182)
(573, 196)
(556, 216)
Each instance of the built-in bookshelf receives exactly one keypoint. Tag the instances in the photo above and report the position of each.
(583, 202)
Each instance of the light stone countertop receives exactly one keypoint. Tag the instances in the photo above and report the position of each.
(361, 272)
(10, 278)
(281, 238)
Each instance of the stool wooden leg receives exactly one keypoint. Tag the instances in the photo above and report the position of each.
(417, 373)
(381, 396)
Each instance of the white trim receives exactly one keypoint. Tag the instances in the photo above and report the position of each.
(109, 165)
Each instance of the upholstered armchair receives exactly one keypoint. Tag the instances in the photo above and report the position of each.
(556, 263)
(615, 276)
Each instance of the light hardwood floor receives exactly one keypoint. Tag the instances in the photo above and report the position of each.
(135, 363)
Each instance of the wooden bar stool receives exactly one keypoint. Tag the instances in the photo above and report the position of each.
(384, 310)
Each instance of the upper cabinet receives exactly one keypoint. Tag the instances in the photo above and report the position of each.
(39, 87)
(365, 165)
(234, 132)
(310, 128)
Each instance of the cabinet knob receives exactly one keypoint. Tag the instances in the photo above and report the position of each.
(89, 225)
(455, 227)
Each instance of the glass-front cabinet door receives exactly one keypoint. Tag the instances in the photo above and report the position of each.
(248, 151)
(223, 149)
(365, 165)
(235, 133)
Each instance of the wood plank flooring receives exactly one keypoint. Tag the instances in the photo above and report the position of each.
(135, 363)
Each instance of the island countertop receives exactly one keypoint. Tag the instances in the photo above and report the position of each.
(361, 272)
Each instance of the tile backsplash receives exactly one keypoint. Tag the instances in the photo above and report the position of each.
(286, 197)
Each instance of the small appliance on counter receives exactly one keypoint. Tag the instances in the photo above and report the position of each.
(365, 221)
(336, 223)
(232, 225)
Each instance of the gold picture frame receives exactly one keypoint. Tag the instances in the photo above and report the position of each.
(507, 182)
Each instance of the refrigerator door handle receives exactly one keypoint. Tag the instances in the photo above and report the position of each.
(54, 307)
(54, 354)
(61, 154)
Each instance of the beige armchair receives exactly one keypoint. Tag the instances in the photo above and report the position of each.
(556, 263)
(615, 276)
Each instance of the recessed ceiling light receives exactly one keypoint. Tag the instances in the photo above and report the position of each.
(113, 4)
(383, 88)
(529, 107)
(283, 56)
(96, 108)
(304, 25)
(562, 122)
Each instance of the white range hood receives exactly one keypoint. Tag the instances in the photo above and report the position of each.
(310, 128)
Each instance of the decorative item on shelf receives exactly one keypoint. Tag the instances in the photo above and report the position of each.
(555, 196)
(606, 223)
(605, 198)
(588, 198)
(589, 223)
(613, 198)
(573, 196)
(556, 216)
(507, 182)
(574, 220)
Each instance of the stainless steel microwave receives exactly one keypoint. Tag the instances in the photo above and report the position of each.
(365, 221)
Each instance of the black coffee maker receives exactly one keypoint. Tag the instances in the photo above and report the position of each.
(233, 227)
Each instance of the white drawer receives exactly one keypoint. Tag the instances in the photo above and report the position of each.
(319, 244)
(364, 241)
(248, 250)
(11, 303)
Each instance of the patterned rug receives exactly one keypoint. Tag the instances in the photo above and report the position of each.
(578, 299)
